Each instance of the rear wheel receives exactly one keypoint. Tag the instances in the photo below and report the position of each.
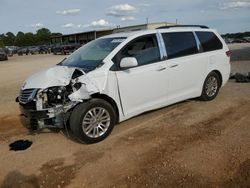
(92, 121)
(211, 87)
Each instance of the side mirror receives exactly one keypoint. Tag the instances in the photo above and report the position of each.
(128, 62)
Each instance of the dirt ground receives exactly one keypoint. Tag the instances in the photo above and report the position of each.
(189, 144)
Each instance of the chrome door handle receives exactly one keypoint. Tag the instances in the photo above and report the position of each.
(172, 66)
(161, 68)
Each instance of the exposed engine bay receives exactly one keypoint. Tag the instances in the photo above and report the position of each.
(49, 106)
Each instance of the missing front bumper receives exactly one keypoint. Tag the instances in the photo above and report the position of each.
(48, 118)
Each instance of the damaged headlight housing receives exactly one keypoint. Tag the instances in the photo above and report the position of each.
(59, 94)
(56, 95)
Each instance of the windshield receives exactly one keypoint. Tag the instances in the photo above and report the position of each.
(91, 55)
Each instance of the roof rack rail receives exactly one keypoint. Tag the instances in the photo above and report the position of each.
(173, 26)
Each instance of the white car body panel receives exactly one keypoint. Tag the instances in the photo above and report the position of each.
(53, 76)
(143, 88)
(185, 75)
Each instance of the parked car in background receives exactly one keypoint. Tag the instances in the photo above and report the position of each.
(240, 41)
(11, 50)
(23, 50)
(33, 50)
(3, 54)
(65, 48)
(122, 75)
(44, 49)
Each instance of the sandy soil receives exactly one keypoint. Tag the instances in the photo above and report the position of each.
(190, 144)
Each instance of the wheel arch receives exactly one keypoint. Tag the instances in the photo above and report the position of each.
(219, 74)
(110, 101)
(204, 78)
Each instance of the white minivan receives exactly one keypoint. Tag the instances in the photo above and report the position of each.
(119, 76)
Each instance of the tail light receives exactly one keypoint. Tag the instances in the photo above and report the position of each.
(229, 53)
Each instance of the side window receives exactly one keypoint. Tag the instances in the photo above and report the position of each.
(145, 49)
(180, 44)
(209, 41)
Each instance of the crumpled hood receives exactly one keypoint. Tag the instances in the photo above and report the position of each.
(54, 76)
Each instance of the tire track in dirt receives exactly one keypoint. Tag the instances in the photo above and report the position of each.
(54, 173)
(133, 153)
(140, 155)
(159, 169)
(10, 126)
(241, 177)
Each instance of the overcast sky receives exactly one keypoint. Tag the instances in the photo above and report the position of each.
(69, 16)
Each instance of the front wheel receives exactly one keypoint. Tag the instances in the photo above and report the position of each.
(211, 87)
(92, 121)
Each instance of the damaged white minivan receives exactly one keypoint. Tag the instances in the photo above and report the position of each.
(119, 76)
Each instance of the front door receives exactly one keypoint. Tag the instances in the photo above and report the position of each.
(144, 87)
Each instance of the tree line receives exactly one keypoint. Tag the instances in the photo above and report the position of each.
(41, 37)
(236, 35)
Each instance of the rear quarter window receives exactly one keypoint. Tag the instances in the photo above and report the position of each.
(209, 41)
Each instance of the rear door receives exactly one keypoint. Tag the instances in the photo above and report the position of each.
(186, 66)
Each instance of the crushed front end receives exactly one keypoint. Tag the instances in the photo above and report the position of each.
(49, 108)
(48, 97)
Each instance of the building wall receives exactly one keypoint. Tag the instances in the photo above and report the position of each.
(131, 28)
(85, 37)
(81, 38)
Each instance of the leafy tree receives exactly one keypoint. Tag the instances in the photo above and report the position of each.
(237, 35)
(20, 39)
(43, 36)
(29, 39)
(9, 39)
(1, 43)
(56, 34)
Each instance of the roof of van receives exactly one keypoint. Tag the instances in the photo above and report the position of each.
(126, 34)
(144, 32)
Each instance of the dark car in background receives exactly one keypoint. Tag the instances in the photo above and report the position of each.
(11, 50)
(3, 55)
(23, 50)
(44, 49)
(65, 48)
(33, 50)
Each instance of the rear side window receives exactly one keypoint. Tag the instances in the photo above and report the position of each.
(209, 41)
(180, 44)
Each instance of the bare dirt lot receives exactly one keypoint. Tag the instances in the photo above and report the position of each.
(190, 144)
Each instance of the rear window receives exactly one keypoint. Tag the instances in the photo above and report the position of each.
(180, 44)
(209, 41)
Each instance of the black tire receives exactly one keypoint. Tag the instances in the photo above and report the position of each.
(204, 95)
(79, 113)
(6, 58)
